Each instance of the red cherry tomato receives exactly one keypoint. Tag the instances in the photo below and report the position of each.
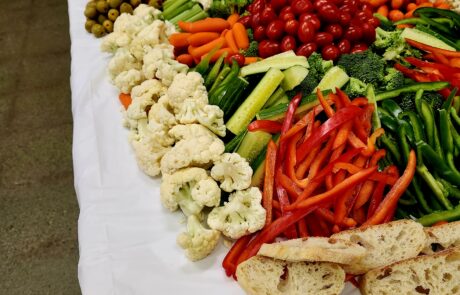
(245, 21)
(238, 57)
(291, 26)
(268, 48)
(301, 6)
(354, 3)
(267, 15)
(344, 46)
(323, 39)
(311, 18)
(329, 12)
(374, 22)
(259, 33)
(368, 32)
(344, 18)
(335, 30)
(363, 16)
(287, 9)
(285, 16)
(255, 21)
(275, 30)
(288, 43)
(306, 32)
(348, 9)
(330, 52)
(359, 47)
(278, 4)
(353, 33)
(257, 6)
(306, 49)
(368, 8)
(318, 3)
(337, 2)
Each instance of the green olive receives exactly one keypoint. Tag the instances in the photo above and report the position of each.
(126, 8)
(108, 25)
(102, 6)
(114, 3)
(91, 4)
(98, 30)
(90, 12)
(135, 3)
(113, 14)
(154, 3)
(89, 24)
(101, 18)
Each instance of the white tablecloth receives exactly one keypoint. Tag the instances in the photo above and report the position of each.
(127, 241)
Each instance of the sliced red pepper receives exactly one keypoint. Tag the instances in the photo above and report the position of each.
(304, 166)
(441, 59)
(376, 198)
(343, 97)
(362, 124)
(291, 188)
(303, 229)
(327, 108)
(371, 142)
(230, 261)
(287, 123)
(355, 141)
(432, 49)
(265, 125)
(442, 69)
(321, 158)
(269, 180)
(317, 230)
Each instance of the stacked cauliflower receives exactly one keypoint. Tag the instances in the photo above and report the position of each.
(174, 131)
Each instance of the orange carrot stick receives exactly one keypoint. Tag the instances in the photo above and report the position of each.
(204, 25)
(241, 36)
(397, 4)
(383, 10)
(395, 15)
(202, 38)
(203, 49)
(218, 54)
(231, 41)
(125, 100)
(179, 39)
(233, 19)
(411, 6)
(250, 59)
(186, 59)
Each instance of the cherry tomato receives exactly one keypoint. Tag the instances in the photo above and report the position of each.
(323, 39)
(359, 47)
(363, 16)
(301, 6)
(306, 49)
(344, 18)
(368, 8)
(267, 15)
(335, 30)
(318, 3)
(368, 32)
(311, 18)
(255, 21)
(329, 12)
(374, 22)
(291, 26)
(257, 6)
(355, 22)
(306, 32)
(353, 3)
(287, 9)
(278, 4)
(245, 21)
(238, 57)
(275, 30)
(337, 2)
(268, 48)
(288, 43)
(348, 9)
(344, 46)
(353, 33)
(330, 52)
(285, 16)
(259, 33)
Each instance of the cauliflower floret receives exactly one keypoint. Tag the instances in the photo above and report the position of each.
(187, 86)
(232, 171)
(123, 61)
(147, 13)
(143, 96)
(211, 116)
(190, 189)
(146, 39)
(126, 80)
(241, 215)
(162, 113)
(195, 146)
(198, 242)
(113, 41)
(154, 57)
(168, 69)
(129, 24)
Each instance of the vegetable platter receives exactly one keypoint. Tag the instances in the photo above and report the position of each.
(254, 122)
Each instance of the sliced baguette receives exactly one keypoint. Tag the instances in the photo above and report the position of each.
(385, 244)
(437, 274)
(442, 237)
(314, 249)
(263, 276)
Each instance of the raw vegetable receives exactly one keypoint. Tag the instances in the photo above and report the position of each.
(276, 62)
(334, 78)
(424, 38)
(225, 8)
(293, 77)
(252, 144)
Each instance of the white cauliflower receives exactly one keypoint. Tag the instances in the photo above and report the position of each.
(241, 215)
(147, 13)
(114, 41)
(232, 171)
(129, 24)
(195, 111)
(198, 242)
(147, 38)
(191, 189)
(143, 97)
(123, 61)
(168, 69)
(162, 113)
(126, 80)
(187, 86)
(195, 146)
(159, 63)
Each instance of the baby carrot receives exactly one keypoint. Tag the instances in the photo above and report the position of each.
(395, 15)
(411, 6)
(444, 6)
(186, 59)
(418, 2)
(403, 26)
(219, 53)
(125, 100)
(201, 38)
(205, 25)
(397, 4)
(203, 49)
(426, 4)
(409, 14)
(231, 41)
(241, 36)
(179, 39)
(383, 10)
(377, 3)
(232, 19)
(250, 59)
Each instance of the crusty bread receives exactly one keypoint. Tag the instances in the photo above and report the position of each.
(385, 243)
(314, 249)
(442, 237)
(437, 274)
(263, 276)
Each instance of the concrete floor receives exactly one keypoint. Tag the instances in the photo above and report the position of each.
(38, 206)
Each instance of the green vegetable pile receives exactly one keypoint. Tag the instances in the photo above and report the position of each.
(182, 10)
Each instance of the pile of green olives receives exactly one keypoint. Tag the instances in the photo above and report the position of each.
(101, 14)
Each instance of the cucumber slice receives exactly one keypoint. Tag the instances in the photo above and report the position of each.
(275, 97)
(258, 165)
(425, 38)
(335, 77)
(252, 144)
(281, 63)
(293, 76)
(282, 54)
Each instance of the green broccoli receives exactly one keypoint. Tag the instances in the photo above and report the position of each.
(434, 99)
(365, 66)
(253, 49)
(393, 46)
(356, 88)
(224, 8)
(407, 102)
(316, 70)
(393, 79)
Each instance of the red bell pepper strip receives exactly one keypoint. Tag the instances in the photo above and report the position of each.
(432, 49)
(355, 142)
(391, 199)
(335, 155)
(291, 188)
(230, 260)
(321, 158)
(442, 222)
(341, 117)
(265, 125)
(327, 108)
(303, 229)
(362, 124)
(304, 166)
(442, 69)
(343, 97)
(290, 232)
(287, 123)
(269, 180)
(441, 59)
(376, 198)
(342, 135)
(315, 228)
(371, 142)
(341, 205)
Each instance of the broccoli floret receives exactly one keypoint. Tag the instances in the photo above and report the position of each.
(365, 66)
(434, 99)
(316, 70)
(393, 79)
(408, 102)
(252, 50)
(250, 34)
(394, 47)
(356, 88)
(224, 8)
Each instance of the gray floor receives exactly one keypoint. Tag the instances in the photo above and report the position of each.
(38, 207)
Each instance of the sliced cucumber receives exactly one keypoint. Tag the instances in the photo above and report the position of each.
(427, 30)
(252, 144)
(275, 97)
(425, 38)
(282, 54)
(281, 63)
(335, 77)
(293, 76)
(258, 165)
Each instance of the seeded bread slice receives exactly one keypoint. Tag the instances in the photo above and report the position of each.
(437, 274)
(385, 244)
(264, 276)
(314, 249)
(442, 237)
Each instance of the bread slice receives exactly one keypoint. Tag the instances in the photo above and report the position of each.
(442, 237)
(437, 274)
(385, 243)
(314, 249)
(264, 276)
